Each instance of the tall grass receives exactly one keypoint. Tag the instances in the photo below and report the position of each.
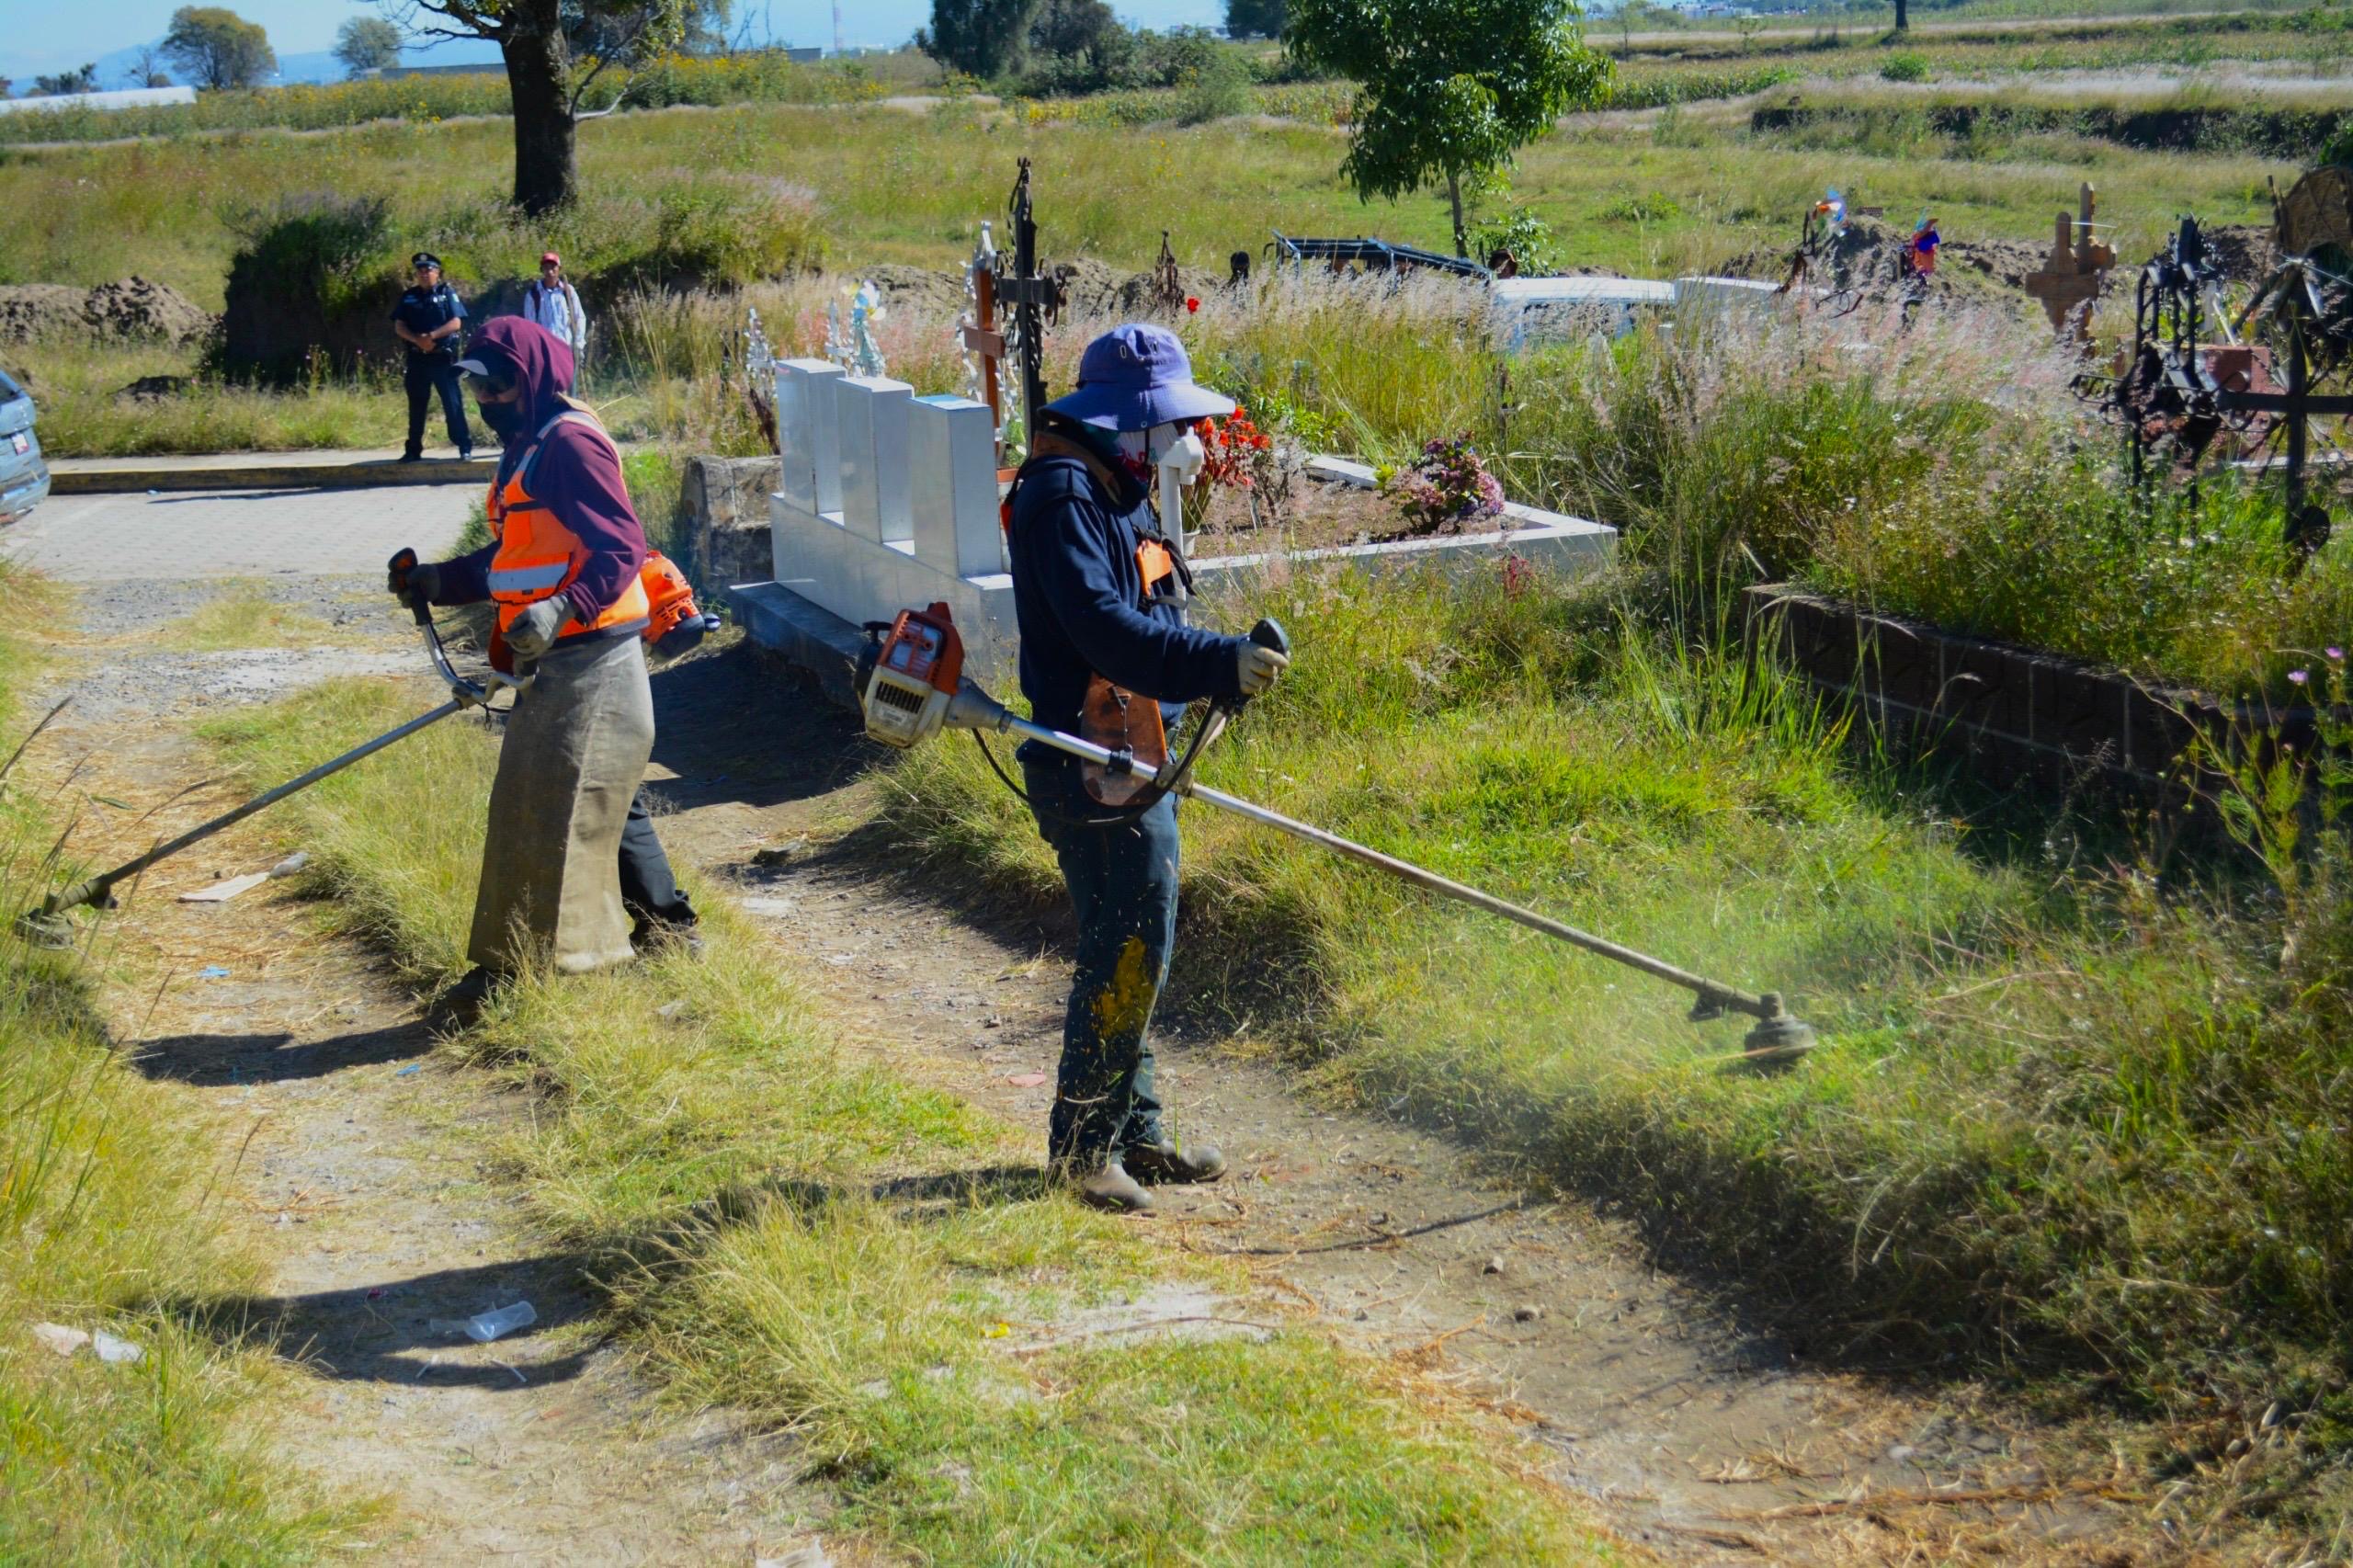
(2047, 1126)
(109, 1219)
(793, 1231)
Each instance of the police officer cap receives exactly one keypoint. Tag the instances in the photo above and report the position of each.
(424, 259)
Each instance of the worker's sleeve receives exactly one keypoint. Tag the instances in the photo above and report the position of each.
(466, 580)
(1145, 654)
(579, 476)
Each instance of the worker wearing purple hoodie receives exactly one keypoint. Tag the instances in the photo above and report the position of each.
(561, 567)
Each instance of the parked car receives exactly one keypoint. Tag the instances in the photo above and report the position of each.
(24, 477)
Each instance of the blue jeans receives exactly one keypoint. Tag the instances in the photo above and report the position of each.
(1122, 885)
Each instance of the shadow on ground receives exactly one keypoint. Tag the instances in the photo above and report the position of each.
(272, 1057)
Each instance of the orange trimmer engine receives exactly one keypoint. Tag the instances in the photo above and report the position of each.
(675, 624)
(909, 675)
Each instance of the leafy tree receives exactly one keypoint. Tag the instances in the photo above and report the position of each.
(980, 38)
(217, 48)
(146, 68)
(1078, 27)
(1255, 19)
(7, 84)
(1449, 90)
(367, 43)
(546, 44)
(84, 80)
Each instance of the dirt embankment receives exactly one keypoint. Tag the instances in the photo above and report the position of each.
(128, 310)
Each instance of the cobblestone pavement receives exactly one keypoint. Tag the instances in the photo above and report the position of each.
(86, 539)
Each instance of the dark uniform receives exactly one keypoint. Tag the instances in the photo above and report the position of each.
(1085, 605)
(421, 310)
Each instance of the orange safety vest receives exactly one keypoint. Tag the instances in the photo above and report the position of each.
(538, 557)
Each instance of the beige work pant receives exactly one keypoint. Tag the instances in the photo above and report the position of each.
(574, 750)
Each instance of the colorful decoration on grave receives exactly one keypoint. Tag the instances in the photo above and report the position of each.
(1446, 489)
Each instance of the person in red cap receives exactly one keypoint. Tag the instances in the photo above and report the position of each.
(554, 304)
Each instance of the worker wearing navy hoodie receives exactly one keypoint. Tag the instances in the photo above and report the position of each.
(1106, 653)
(563, 568)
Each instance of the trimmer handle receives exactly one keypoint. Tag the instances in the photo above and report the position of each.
(1268, 633)
(404, 564)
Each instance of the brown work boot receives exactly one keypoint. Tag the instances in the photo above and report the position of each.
(1155, 1163)
(1107, 1185)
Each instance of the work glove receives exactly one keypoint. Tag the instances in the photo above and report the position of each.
(1257, 668)
(412, 583)
(533, 633)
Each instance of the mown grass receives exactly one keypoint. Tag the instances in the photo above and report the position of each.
(795, 1232)
(110, 1218)
(2067, 1122)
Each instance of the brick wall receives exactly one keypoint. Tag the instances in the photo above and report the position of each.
(2018, 714)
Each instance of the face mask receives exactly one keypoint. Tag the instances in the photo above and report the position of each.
(504, 419)
(1163, 445)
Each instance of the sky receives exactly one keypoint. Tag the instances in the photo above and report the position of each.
(42, 37)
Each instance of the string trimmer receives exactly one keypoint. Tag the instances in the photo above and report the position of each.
(911, 687)
(49, 924)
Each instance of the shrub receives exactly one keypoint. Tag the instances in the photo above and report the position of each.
(1216, 88)
(1519, 230)
(1906, 65)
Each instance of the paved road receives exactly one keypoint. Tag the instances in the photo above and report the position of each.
(83, 538)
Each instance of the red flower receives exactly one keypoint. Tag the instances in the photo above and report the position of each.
(1191, 304)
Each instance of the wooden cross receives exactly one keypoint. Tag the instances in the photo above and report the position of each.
(981, 337)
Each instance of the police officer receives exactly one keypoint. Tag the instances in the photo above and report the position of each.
(428, 320)
(1104, 640)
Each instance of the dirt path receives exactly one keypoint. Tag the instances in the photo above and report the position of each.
(1689, 1429)
(354, 1168)
(357, 1173)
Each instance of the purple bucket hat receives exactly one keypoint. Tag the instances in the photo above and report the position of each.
(1135, 376)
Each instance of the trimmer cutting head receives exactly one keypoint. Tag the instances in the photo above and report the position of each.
(1779, 1040)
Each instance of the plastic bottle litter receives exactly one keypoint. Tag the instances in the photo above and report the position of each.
(291, 864)
(115, 1352)
(212, 971)
(483, 1328)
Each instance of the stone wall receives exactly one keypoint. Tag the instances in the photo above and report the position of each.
(724, 502)
(2018, 714)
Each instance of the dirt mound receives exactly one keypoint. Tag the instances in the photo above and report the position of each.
(920, 289)
(37, 310)
(115, 312)
(137, 307)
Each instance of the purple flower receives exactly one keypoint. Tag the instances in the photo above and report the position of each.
(2299, 677)
(2334, 653)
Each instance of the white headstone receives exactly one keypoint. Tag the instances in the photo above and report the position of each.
(871, 412)
(806, 432)
(952, 449)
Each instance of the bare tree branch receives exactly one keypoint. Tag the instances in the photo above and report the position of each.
(629, 46)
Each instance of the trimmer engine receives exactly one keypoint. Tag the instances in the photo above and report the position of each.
(910, 675)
